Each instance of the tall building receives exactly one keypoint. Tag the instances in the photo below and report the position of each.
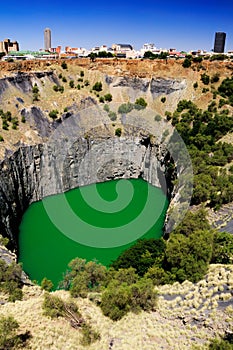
(219, 42)
(7, 46)
(47, 39)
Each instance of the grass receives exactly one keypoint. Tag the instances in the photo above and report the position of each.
(172, 326)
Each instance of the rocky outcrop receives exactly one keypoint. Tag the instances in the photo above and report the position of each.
(155, 86)
(25, 81)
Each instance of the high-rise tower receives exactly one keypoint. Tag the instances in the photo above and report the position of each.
(47, 39)
(219, 42)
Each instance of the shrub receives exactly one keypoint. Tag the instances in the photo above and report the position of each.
(64, 79)
(1, 138)
(101, 99)
(108, 97)
(205, 78)
(125, 108)
(46, 284)
(112, 115)
(163, 99)
(195, 85)
(158, 118)
(86, 83)
(106, 108)
(215, 78)
(60, 76)
(118, 299)
(35, 89)
(97, 86)
(71, 83)
(64, 65)
(53, 114)
(82, 73)
(56, 88)
(187, 63)
(23, 119)
(118, 132)
(89, 335)
(65, 109)
(141, 103)
(9, 339)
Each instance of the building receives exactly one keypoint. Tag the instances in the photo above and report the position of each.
(47, 39)
(7, 46)
(219, 42)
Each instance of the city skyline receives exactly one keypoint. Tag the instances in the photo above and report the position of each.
(184, 26)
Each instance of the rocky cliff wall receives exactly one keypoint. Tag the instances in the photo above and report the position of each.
(82, 150)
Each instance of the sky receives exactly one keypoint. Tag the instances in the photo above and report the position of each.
(184, 25)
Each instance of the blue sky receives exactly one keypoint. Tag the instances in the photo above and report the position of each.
(168, 24)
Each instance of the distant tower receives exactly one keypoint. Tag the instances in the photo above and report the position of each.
(47, 39)
(219, 42)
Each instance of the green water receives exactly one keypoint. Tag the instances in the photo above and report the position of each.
(45, 251)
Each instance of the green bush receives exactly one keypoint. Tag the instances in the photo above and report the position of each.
(9, 339)
(64, 65)
(108, 97)
(163, 99)
(46, 284)
(112, 115)
(106, 108)
(1, 138)
(140, 102)
(64, 79)
(101, 99)
(118, 299)
(195, 85)
(187, 63)
(53, 114)
(82, 73)
(97, 86)
(125, 108)
(205, 78)
(118, 132)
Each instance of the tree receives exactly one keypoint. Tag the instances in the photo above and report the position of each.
(46, 284)
(141, 255)
(187, 63)
(222, 248)
(188, 258)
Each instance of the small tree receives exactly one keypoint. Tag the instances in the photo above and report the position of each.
(187, 63)
(46, 284)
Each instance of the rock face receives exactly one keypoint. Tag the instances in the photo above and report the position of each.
(24, 81)
(82, 150)
(156, 86)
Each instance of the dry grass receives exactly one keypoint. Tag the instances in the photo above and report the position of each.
(191, 318)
